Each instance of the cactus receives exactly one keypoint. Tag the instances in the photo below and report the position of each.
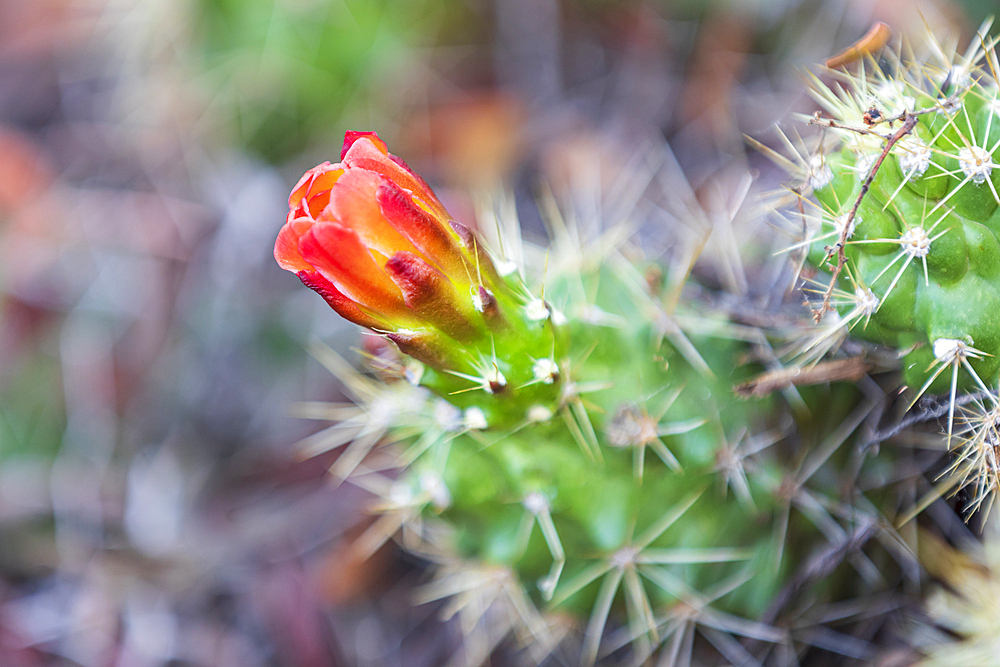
(899, 201)
(571, 456)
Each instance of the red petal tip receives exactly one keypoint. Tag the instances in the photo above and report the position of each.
(351, 136)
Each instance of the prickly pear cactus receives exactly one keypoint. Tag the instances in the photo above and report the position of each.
(899, 200)
(572, 456)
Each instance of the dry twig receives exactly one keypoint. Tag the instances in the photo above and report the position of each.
(909, 120)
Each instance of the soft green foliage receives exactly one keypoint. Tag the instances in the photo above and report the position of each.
(290, 73)
(31, 409)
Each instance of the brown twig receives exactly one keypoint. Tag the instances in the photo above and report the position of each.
(829, 122)
(851, 368)
(909, 119)
(909, 122)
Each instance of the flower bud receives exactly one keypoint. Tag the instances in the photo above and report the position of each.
(369, 236)
(372, 239)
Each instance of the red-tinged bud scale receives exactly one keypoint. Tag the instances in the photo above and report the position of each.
(370, 237)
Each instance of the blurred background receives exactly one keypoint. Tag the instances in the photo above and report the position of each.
(155, 508)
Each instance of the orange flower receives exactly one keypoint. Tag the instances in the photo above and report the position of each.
(371, 238)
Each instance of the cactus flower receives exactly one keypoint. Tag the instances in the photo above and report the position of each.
(373, 240)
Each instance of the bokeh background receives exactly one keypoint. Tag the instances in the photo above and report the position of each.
(155, 505)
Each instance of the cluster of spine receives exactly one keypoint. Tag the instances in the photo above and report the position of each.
(899, 200)
(577, 464)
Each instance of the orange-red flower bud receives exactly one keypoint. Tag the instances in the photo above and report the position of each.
(371, 238)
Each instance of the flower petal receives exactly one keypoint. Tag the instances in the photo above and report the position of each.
(344, 306)
(312, 193)
(353, 205)
(484, 264)
(366, 155)
(340, 256)
(429, 347)
(351, 136)
(435, 241)
(286, 247)
(429, 294)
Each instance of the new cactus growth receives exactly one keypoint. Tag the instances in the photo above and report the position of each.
(900, 199)
(578, 455)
